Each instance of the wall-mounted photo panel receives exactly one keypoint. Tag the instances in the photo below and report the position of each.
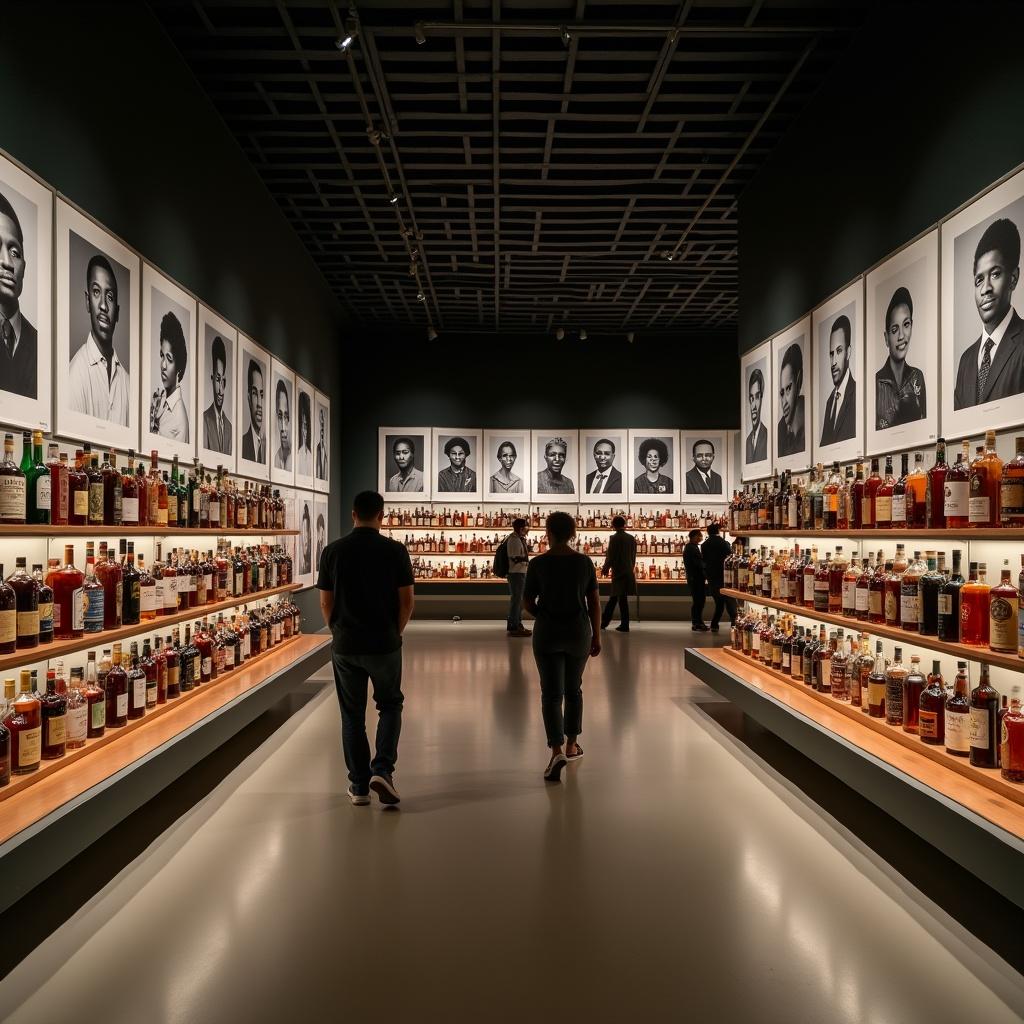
(652, 473)
(555, 466)
(404, 468)
(218, 399)
(303, 433)
(604, 466)
(321, 442)
(756, 405)
(252, 438)
(282, 444)
(288, 495)
(97, 360)
(321, 537)
(26, 279)
(457, 464)
(982, 333)
(168, 367)
(705, 461)
(837, 327)
(902, 348)
(305, 515)
(505, 466)
(791, 377)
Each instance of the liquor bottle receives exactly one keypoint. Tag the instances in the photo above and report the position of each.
(878, 684)
(149, 670)
(5, 744)
(136, 683)
(956, 504)
(78, 491)
(862, 595)
(985, 479)
(851, 583)
(836, 575)
(974, 607)
(894, 587)
(172, 493)
(12, 486)
(1011, 489)
(204, 641)
(876, 591)
(913, 687)
(1003, 614)
(930, 585)
(931, 723)
(1011, 745)
(130, 493)
(23, 720)
(895, 677)
(37, 484)
(823, 661)
(57, 468)
(95, 699)
(54, 713)
(115, 686)
(186, 661)
(160, 657)
(1020, 604)
(26, 592)
(93, 594)
(95, 477)
(131, 594)
(871, 485)
(862, 667)
(949, 603)
(910, 594)
(917, 494)
(78, 709)
(113, 491)
(984, 736)
(166, 577)
(173, 669)
(111, 576)
(883, 498)
(821, 583)
(148, 604)
(900, 494)
(935, 494)
(164, 501)
(831, 494)
(840, 670)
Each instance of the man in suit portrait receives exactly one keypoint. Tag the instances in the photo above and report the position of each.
(840, 423)
(253, 442)
(702, 479)
(282, 403)
(18, 338)
(791, 402)
(993, 367)
(216, 426)
(757, 439)
(321, 446)
(606, 479)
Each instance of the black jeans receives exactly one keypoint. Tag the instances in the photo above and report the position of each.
(351, 673)
(722, 602)
(561, 682)
(698, 595)
(516, 585)
(622, 600)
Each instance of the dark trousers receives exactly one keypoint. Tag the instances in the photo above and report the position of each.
(561, 683)
(516, 586)
(722, 602)
(622, 600)
(351, 674)
(698, 595)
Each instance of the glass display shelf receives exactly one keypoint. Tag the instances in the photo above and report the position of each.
(135, 531)
(1007, 533)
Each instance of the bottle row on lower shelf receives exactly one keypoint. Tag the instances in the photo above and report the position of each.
(440, 572)
(646, 545)
(677, 519)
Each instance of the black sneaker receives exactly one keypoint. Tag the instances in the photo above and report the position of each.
(622, 629)
(553, 772)
(384, 787)
(357, 796)
(699, 627)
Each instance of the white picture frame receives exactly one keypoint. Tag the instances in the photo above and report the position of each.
(321, 533)
(794, 456)
(666, 487)
(303, 424)
(705, 483)
(597, 444)
(252, 406)
(451, 481)
(321, 442)
(282, 461)
(216, 432)
(507, 485)
(417, 447)
(544, 472)
(756, 439)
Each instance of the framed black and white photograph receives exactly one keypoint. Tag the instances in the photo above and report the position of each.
(320, 536)
(282, 444)
(252, 437)
(982, 332)
(217, 379)
(506, 467)
(902, 348)
(305, 514)
(457, 466)
(756, 405)
(168, 367)
(705, 463)
(26, 279)
(837, 327)
(288, 542)
(404, 463)
(321, 442)
(604, 466)
(652, 473)
(303, 433)
(791, 388)
(97, 327)
(555, 466)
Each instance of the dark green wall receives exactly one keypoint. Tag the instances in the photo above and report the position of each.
(925, 109)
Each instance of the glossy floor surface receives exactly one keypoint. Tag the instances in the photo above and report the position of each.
(670, 877)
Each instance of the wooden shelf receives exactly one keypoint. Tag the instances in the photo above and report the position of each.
(60, 648)
(931, 643)
(1009, 533)
(579, 529)
(134, 531)
(600, 580)
(451, 555)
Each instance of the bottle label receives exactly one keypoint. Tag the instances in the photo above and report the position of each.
(883, 508)
(81, 503)
(161, 516)
(899, 508)
(99, 716)
(945, 604)
(957, 501)
(1011, 497)
(43, 492)
(849, 594)
(78, 720)
(195, 500)
(138, 692)
(28, 623)
(865, 512)
(130, 511)
(12, 500)
(893, 699)
(122, 705)
(96, 503)
(862, 599)
(56, 730)
(170, 589)
(979, 732)
(147, 599)
(172, 508)
(46, 617)
(173, 677)
(928, 724)
(1003, 623)
(215, 513)
(891, 608)
(207, 666)
(977, 510)
(77, 610)
(808, 589)
(29, 747)
(207, 583)
(93, 620)
(909, 607)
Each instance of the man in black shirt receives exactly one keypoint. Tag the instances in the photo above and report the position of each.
(365, 584)
(715, 551)
(695, 578)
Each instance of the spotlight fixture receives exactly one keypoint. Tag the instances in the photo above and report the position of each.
(344, 44)
(418, 32)
(631, 337)
(560, 333)
(566, 35)
(393, 198)
(420, 297)
(583, 334)
(431, 334)
(668, 255)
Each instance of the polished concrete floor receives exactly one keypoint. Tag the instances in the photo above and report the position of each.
(673, 876)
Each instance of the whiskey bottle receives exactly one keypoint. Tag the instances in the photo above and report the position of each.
(95, 477)
(949, 603)
(78, 491)
(984, 711)
(931, 722)
(1011, 489)
(913, 687)
(839, 674)
(131, 591)
(110, 575)
(1011, 748)
(54, 712)
(113, 491)
(160, 657)
(985, 480)
(136, 684)
(1003, 613)
(877, 684)
(115, 687)
(916, 494)
(883, 498)
(95, 700)
(26, 592)
(862, 668)
(173, 669)
(910, 594)
(78, 709)
(5, 746)
(93, 594)
(172, 494)
(956, 503)
(974, 597)
(37, 484)
(935, 494)
(930, 585)
(57, 467)
(23, 720)
(900, 494)
(149, 670)
(130, 493)
(12, 486)
(894, 588)
(895, 677)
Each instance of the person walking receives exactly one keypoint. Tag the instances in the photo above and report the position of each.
(620, 561)
(518, 559)
(366, 597)
(715, 550)
(694, 565)
(561, 592)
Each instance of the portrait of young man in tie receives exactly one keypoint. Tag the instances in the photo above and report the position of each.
(604, 478)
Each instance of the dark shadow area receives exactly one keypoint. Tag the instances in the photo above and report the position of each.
(987, 915)
(29, 922)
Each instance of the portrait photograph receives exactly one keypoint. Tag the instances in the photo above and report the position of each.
(457, 463)
(288, 542)
(305, 514)
(506, 467)
(26, 263)
(303, 433)
(320, 537)
(252, 433)
(791, 390)
(168, 367)
(604, 466)
(902, 349)
(321, 442)
(555, 466)
(217, 407)
(837, 327)
(756, 408)
(652, 473)
(97, 361)
(403, 463)
(282, 445)
(982, 330)
(705, 462)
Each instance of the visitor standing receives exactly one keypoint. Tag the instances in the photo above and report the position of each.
(694, 565)
(620, 561)
(518, 560)
(715, 550)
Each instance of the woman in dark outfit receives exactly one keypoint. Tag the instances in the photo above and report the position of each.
(561, 593)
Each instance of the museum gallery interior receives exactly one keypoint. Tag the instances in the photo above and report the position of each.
(670, 268)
